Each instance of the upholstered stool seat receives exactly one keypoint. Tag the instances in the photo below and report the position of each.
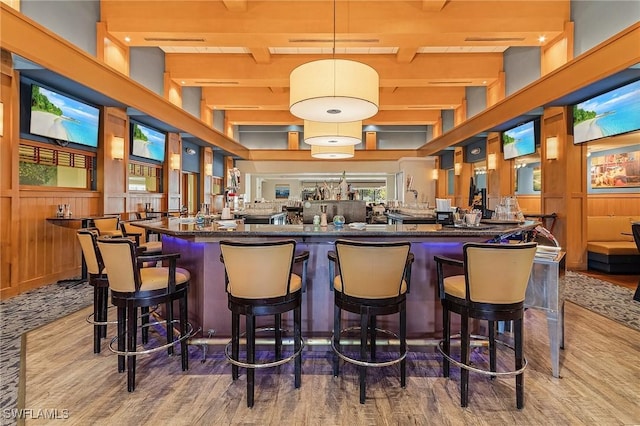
(259, 282)
(373, 281)
(133, 287)
(492, 288)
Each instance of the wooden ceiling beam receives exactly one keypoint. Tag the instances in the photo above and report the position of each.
(305, 155)
(425, 70)
(264, 98)
(285, 118)
(275, 23)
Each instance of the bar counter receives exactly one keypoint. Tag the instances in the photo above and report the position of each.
(200, 252)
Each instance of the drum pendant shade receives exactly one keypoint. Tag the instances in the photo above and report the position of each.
(334, 90)
(332, 134)
(332, 152)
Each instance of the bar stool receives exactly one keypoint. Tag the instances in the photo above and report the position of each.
(492, 288)
(134, 287)
(635, 229)
(372, 282)
(259, 281)
(108, 226)
(129, 229)
(98, 280)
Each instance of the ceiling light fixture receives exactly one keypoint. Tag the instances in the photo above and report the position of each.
(332, 134)
(334, 90)
(332, 152)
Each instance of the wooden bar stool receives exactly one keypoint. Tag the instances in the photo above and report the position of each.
(134, 287)
(259, 281)
(492, 288)
(372, 282)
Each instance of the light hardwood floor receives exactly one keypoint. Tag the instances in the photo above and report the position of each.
(600, 371)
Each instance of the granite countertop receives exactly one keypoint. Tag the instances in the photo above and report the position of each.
(175, 227)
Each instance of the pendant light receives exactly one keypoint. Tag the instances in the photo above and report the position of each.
(332, 134)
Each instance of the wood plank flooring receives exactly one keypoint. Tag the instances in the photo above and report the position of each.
(600, 371)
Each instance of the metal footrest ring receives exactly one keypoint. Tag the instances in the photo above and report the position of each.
(369, 363)
(263, 364)
(190, 332)
(480, 370)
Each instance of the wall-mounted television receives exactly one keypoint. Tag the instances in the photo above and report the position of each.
(62, 118)
(147, 143)
(612, 113)
(520, 140)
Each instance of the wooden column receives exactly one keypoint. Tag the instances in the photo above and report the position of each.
(293, 141)
(110, 50)
(113, 188)
(206, 158)
(172, 90)
(173, 177)
(371, 140)
(564, 186)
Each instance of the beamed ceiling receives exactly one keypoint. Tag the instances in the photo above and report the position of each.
(241, 52)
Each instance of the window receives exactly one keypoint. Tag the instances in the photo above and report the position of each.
(145, 177)
(53, 167)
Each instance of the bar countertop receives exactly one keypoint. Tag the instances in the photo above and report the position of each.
(192, 231)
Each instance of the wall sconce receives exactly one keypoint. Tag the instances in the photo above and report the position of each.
(552, 148)
(457, 169)
(174, 162)
(208, 169)
(117, 147)
(491, 161)
(434, 174)
(190, 151)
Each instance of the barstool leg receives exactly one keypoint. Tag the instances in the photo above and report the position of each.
(519, 357)
(132, 325)
(403, 347)
(364, 320)
(464, 358)
(251, 357)
(372, 331)
(336, 339)
(297, 343)
(144, 320)
(446, 339)
(235, 343)
(169, 318)
(97, 317)
(183, 332)
(278, 335)
(122, 327)
(492, 347)
(104, 299)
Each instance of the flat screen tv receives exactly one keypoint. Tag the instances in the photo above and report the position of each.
(147, 142)
(62, 118)
(519, 141)
(612, 113)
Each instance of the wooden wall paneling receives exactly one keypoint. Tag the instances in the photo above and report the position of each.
(621, 204)
(494, 146)
(530, 204)
(172, 177)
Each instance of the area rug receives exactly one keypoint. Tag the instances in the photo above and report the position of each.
(606, 299)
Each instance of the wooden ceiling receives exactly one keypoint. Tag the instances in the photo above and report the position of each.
(241, 52)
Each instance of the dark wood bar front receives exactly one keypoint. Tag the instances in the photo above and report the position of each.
(200, 252)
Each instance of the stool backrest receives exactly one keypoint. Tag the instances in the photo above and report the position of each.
(372, 270)
(106, 225)
(635, 229)
(497, 273)
(88, 239)
(258, 270)
(129, 228)
(119, 256)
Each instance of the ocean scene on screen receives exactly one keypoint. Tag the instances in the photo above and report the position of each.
(609, 114)
(148, 143)
(519, 141)
(59, 117)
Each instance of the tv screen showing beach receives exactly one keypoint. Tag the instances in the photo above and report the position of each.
(147, 143)
(519, 141)
(609, 114)
(59, 117)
